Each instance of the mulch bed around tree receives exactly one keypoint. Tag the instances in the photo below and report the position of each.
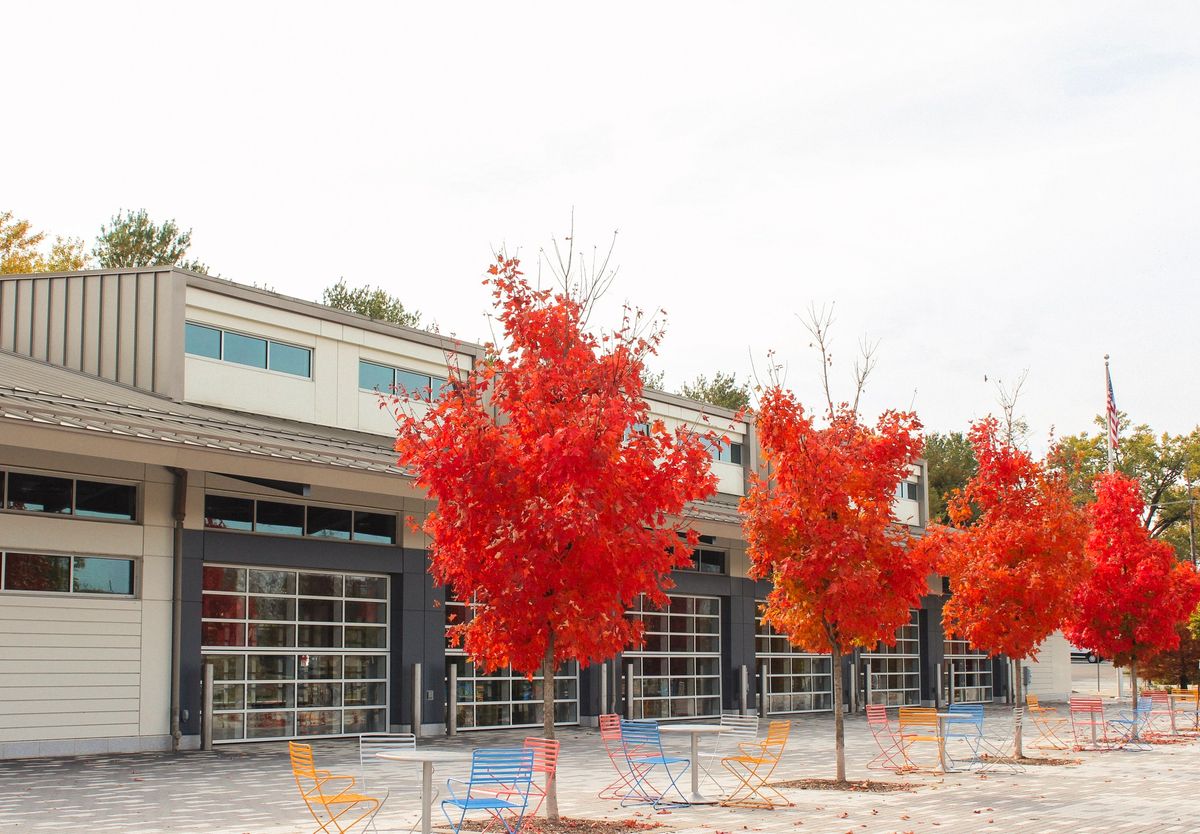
(571, 825)
(859, 786)
(1033, 760)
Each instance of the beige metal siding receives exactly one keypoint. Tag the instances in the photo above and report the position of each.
(126, 326)
(69, 667)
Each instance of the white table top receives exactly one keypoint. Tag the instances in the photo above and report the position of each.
(426, 754)
(695, 729)
(955, 715)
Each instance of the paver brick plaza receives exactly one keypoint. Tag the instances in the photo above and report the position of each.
(249, 788)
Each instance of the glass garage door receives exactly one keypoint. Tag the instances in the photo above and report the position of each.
(796, 681)
(894, 672)
(505, 698)
(295, 653)
(968, 673)
(677, 674)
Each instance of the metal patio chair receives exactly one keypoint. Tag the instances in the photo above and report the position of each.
(968, 729)
(498, 785)
(610, 737)
(371, 767)
(335, 809)
(1090, 729)
(918, 725)
(1049, 725)
(891, 756)
(643, 749)
(754, 766)
(1130, 727)
(734, 730)
(999, 753)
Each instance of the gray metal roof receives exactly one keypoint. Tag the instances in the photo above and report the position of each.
(32, 391)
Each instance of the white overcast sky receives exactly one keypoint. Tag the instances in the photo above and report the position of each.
(982, 189)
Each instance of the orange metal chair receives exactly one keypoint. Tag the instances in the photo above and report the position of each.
(754, 766)
(1187, 708)
(1049, 724)
(890, 757)
(919, 725)
(334, 810)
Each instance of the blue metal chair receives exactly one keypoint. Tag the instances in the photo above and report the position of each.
(969, 728)
(644, 752)
(507, 771)
(1130, 726)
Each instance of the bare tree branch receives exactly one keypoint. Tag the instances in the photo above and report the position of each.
(1016, 429)
(863, 365)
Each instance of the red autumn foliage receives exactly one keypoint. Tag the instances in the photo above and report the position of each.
(552, 515)
(1016, 552)
(1138, 593)
(820, 527)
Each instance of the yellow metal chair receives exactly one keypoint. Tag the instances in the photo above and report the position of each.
(1048, 723)
(917, 725)
(754, 765)
(334, 810)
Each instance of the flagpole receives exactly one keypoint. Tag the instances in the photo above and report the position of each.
(1107, 394)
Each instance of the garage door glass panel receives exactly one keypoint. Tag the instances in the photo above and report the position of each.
(260, 635)
(797, 681)
(676, 674)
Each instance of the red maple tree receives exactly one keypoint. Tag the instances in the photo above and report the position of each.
(1138, 593)
(559, 500)
(819, 525)
(1014, 554)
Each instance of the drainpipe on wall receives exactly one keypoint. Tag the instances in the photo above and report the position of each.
(179, 512)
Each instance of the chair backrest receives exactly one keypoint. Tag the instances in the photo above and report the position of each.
(501, 765)
(303, 764)
(1160, 698)
(1086, 708)
(777, 734)
(371, 743)
(1144, 704)
(739, 727)
(1032, 701)
(972, 714)
(545, 754)
(640, 734)
(877, 717)
(610, 727)
(918, 718)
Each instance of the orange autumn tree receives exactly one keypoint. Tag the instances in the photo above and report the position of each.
(819, 526)
(1015, 552)
(558, 498)
(1138, 593)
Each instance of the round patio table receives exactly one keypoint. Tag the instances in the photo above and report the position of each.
(695, 731)
(427, 756)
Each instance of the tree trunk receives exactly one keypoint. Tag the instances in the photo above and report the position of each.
(839, 730)
(548, 724)
(1019, 699)
(1133, 688)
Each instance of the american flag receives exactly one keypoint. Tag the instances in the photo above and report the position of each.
(1112, 414)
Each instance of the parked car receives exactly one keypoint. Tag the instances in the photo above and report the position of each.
(1084, 656)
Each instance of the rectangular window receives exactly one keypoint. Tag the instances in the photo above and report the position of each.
(245, 350)
(94, 575)
(280, 519)
(66, 574)
(374, 527)
(94, 499)
(254, 351)
(374, 377)
(39, 493)
(725, 452)
(735, 453)
(226, 513)
(199, 340)
(708, 561)
(328, 522)
(35, 572)
(908, 490)
(289, 359)
(414, 386)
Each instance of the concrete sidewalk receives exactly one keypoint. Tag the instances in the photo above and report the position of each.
(249, 788)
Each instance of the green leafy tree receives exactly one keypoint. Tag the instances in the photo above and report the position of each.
(21, 249)
(134, 240)
(951, 465)
(656, 380)
(723, 390)
(1163, 463)
(372, 302)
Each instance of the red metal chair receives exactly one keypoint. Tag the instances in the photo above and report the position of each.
(1089, 726)
(891, 756)
(545, 762)
(610, 736)
(1162, 714)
